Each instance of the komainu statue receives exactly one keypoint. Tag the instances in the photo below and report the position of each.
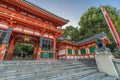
(100, 46)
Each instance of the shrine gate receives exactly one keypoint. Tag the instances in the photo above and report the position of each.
(22, 21)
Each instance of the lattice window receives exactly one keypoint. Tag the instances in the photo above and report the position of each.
(69, 51)
(47, 44)
(76, 51)
(92, 50)
(83, 51)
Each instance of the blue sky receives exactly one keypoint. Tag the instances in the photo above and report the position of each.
(72, 9)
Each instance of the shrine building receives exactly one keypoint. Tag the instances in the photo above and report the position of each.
(24, 22)
(84, 49)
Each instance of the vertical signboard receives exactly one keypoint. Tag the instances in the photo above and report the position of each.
(111, 26)
(41, 41)
(6, 38)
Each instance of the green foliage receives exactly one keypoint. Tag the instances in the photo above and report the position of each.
(71, 33)
(22, 47)
(93, 22)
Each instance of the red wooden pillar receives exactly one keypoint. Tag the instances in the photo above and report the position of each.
(88, 52)
(54, 49)
(4, 43)
(2, 51)
(35, 50)
(66, 54)
(11, 48)
(39, 54)
(40, 48)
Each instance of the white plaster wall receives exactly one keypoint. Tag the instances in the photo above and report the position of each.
(62, 52)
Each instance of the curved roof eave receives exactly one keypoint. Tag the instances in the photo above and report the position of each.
(43, 10)
(102, 35)
(92, 38)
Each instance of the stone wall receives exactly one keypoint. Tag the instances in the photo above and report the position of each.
(117, 65)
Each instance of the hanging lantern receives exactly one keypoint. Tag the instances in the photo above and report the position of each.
(27, 38)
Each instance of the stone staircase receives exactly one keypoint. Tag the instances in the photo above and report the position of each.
(51, 70)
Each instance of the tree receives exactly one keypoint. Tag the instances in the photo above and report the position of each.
(71, 33)
(18, 48)
(93, 22)
(24, 48)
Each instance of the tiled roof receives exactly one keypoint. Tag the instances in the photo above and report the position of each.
(44, 10)
(92, 38)
(102, 35)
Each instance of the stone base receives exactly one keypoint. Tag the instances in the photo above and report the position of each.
(105, 64)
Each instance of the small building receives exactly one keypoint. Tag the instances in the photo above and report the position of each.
(24, 22)
(79, 50)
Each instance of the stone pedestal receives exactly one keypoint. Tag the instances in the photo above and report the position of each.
(104, 62)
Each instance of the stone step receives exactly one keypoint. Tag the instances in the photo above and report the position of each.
(42, 68)
(108, 78)
(89, 62)
(22, 65)
(93, 76)
(78, 75)
(30, 72)
(1, 67)
(46, 76)
(35, 63)
(51, 70)
(52, 67)
(16, 69)
(50, 73)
